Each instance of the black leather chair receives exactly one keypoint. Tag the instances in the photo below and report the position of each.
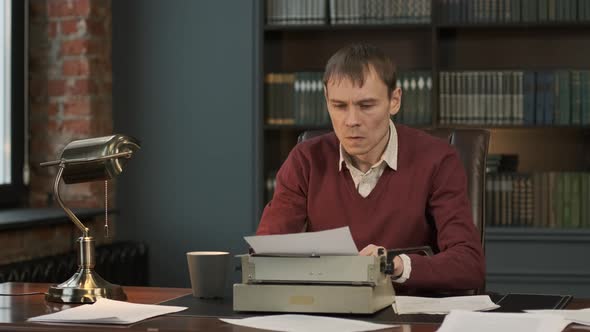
(472, 145)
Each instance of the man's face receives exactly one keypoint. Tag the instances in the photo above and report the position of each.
(360, 115)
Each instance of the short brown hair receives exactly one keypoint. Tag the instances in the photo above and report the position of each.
(354, 61)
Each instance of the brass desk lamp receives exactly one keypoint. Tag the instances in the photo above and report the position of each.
(93, 159)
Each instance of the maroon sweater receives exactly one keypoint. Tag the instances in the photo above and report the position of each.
(423, 202)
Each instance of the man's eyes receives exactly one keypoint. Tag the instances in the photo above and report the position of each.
(361, 106)
(366, 106)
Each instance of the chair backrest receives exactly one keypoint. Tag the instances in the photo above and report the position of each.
(472, 145)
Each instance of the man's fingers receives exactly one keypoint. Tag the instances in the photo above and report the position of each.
(368, 250)
(371, 250)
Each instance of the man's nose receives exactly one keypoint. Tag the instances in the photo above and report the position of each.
(352, 117)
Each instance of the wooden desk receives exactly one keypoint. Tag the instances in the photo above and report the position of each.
(14, 311)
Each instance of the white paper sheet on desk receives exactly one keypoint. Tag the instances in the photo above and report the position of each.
(467, 321)
(105, 311)
(580, 316)
(331, 242)
(306, 323)
(443, 305)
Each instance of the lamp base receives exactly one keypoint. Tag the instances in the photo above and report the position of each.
(85, 286)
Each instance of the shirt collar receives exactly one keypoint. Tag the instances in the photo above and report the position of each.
(389, 155)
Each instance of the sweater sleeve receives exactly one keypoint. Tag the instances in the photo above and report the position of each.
(287, 211)
(460, 264)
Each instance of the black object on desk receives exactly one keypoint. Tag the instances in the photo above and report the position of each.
(515, 302)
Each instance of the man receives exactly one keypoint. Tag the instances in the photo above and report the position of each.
(394, 186)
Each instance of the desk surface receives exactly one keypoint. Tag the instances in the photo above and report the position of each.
(14, 310)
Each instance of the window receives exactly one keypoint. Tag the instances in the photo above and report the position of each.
(12, 100)
(5, 73)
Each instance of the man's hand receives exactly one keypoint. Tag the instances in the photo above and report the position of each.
(373, 250)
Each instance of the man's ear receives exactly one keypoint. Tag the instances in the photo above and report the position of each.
(395, 101)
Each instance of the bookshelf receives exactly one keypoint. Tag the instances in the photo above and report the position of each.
(479, 37)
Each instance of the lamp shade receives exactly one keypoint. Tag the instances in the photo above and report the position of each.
(92, 165)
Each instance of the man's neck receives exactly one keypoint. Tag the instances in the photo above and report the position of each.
(364, 162)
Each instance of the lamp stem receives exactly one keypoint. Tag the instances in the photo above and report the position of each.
(69, 212)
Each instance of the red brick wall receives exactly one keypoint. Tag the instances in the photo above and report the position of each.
(41, 240)
(22, 245)
(70, 80)
(70, 92)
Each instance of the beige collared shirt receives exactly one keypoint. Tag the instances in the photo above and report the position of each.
(366, 182)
